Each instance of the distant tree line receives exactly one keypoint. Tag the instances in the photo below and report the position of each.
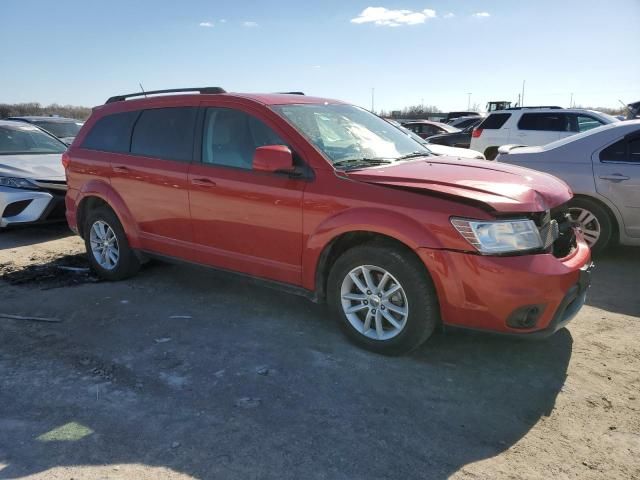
(413, 111)
(426, 111)
(34, 108)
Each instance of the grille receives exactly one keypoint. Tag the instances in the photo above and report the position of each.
(548, 229)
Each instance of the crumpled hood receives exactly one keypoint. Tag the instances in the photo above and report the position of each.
(37, 167)
(504, 188)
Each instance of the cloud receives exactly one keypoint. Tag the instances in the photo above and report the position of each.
(449, 15)
(393, 18)
(316, 67)
(249, 24)
(482, 14)
(206, 24)
(223, 20)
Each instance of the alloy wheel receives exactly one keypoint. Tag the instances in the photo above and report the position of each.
(374, 302)
(104, 245)
(588, 222)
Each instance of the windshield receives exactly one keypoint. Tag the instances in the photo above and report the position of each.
(345, 133)
(27, 139)
(60, 129)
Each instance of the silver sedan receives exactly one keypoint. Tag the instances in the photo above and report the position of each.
(602, 167)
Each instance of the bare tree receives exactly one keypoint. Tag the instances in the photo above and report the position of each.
(34, 108)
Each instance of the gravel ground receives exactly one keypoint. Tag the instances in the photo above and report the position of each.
(183, 372)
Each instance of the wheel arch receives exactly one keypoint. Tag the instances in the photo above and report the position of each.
(612, 211)
(97, 193)
(346, 230)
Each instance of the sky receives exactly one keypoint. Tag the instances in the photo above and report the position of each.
(409, 52)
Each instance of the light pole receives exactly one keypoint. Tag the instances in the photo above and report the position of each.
(373, 93)
(468, 100)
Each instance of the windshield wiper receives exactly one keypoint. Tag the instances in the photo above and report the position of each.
(414, 155)
(361, 162)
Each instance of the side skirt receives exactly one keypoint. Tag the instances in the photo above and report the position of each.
(263, 282)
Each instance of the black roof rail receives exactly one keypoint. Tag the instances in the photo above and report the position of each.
(290, 93)
(554, 107)
(203, 90)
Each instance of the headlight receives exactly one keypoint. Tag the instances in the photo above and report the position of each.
(499, 236)
(17, 183)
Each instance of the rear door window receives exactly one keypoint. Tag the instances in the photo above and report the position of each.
(494, 121)
(111, 133)
(625, 150)
(549, 122)
(165, 133)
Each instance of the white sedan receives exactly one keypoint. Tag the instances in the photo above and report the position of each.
(32, 179)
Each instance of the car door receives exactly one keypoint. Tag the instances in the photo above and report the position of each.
(244, 220)
(152, 177)
(617, 175)
(538, 128)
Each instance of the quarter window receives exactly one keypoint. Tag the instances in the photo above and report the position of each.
(494, 121)
(232, 136)
(549, 122)
(111, 133)
(585, 123)
(165, 133)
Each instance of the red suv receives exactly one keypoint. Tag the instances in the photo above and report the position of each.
(327, 199)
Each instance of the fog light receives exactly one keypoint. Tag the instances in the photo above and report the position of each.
(525, 317)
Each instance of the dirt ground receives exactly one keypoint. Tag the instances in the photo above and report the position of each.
(183, 372)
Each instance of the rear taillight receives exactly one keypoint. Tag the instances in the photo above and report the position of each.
(65, 160)
(476, 132)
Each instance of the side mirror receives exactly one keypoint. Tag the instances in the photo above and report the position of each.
(273, 158)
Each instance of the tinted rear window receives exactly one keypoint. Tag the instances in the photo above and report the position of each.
(494, 121)
(165, 133)
(111, 133)
(550, 122)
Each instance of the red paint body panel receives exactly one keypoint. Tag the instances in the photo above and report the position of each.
(480, 292)
(505, 188)
(248, 221)
(276, 227)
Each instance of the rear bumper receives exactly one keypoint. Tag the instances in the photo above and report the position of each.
(487, 293)
(20, 207)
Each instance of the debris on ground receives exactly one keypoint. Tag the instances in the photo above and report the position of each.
(248, 402)
(32, 319)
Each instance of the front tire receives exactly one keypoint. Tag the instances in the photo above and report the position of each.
(384, 298)
(108, 250)
(595, 222)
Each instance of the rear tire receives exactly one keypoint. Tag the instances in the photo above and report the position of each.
(595, 222)
(108, 250)
(395, 310)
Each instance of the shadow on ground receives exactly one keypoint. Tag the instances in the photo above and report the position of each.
(15, 237)
(207, 375)
(614, 284)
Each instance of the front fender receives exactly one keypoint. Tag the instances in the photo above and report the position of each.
(384, 222)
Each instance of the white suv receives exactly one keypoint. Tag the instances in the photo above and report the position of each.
(532, 126)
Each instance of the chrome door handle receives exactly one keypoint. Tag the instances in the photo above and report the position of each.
(616, 177)
(120, 169)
